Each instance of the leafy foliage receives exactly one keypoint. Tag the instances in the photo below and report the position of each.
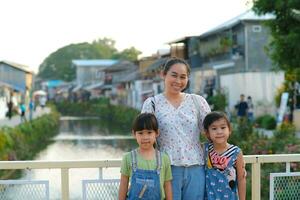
(285, 30)
(58, 64)
(252, 142)
(266, 121)
(23, 142)
(218, 101)
(128, 54)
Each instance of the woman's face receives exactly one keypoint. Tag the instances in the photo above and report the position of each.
(176, 78)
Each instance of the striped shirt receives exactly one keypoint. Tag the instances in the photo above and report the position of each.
(220, 161)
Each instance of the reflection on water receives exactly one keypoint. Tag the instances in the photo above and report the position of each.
(94, 126)
(87, 140)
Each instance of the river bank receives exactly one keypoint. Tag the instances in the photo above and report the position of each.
(25, 140)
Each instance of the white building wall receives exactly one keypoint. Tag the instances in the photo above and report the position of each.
(89, 75)
(261, 86)
(3, 107)
(198, 78)
(142, 89)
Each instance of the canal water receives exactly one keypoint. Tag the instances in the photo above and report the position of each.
(82, 139)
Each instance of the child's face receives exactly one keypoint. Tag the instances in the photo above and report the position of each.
(218, 132)
(145, 138)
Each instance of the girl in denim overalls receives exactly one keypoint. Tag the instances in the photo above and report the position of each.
(147, 169)
(224, 164)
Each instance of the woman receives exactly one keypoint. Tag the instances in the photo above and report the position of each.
(180, 116)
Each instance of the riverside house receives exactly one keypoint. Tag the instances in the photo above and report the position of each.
(232, 57)
(15, 79)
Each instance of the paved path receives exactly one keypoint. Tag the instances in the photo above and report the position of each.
(16, 120)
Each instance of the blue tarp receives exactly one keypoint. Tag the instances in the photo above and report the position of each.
(54, 83)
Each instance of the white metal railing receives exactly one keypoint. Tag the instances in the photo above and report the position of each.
(254, 160)
(26, 189)
(257, 160)
(284, 185)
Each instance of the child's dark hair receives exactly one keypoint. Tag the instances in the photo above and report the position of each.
(215, 116)
(146, 121)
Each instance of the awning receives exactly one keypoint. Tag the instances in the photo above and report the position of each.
(78, 87)
(54, 83)
(40, 93)
(223, 65)
(93, 86)
(106, 87)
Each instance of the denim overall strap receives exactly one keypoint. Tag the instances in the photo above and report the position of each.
(145, 183)
(232, 174)
(206, 157)
(134, 159)
(234, 156)
(158, 161)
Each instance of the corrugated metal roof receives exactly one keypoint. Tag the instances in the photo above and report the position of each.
(249, 15)
(180, 40)
(18, 66)
(95, 62)
(93, 86)
(156, 64)
(15, 87)
(130, 77)
(122, 66)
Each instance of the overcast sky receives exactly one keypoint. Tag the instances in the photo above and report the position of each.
(33, 29)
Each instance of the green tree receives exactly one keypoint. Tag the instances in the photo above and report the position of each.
(105, 48)
(58, 65)
(130, 54)
(285, 30)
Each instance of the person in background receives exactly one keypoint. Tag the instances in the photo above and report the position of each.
(10, 106)
(224, 163)
(23, 112)
(250, 112)
(242, 108)
(180, 116)
(42, 101)
(147, 169)
(31, 109)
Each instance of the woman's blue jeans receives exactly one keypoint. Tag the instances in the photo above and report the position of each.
(188, 182)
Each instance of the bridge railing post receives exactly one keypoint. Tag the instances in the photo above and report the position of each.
(65, 184)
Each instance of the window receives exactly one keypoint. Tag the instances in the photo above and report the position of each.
(256, 28)
(99, 74)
